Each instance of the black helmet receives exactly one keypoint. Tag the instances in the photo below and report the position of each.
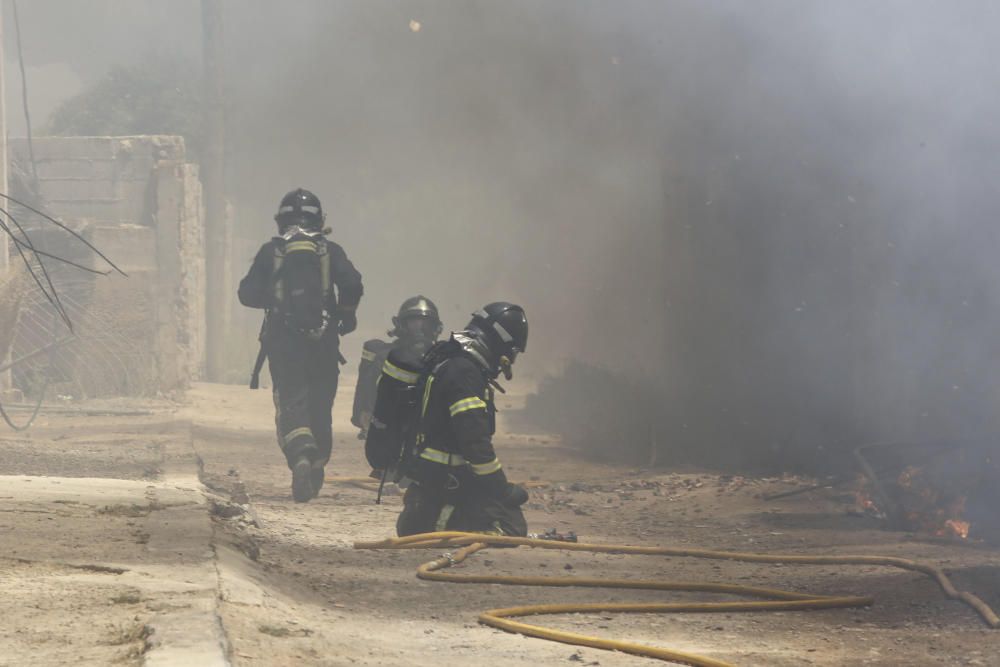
(417, 308)
(300, 207)
(503, 328)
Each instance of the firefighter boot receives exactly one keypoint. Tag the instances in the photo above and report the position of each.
(302, 489)
(317, 476)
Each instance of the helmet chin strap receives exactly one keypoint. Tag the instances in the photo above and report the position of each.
(505, 367)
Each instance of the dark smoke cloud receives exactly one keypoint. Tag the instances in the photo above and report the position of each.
(780, 213)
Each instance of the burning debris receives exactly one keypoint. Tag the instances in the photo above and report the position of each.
(934, 489)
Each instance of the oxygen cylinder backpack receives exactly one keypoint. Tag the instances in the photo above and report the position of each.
(302, 284)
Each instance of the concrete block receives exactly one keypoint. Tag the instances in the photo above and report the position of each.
(61, 148)
(73, 169)
(103, 212)
(168, 147)
(126, 158)
(131, 247)
(80, 190)
(137, 202)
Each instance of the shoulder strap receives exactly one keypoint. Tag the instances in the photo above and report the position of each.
(324, 267)
(277, 260)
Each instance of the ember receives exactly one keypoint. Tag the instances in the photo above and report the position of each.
(866, 503)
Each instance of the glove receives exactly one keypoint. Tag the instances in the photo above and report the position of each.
(348, 323)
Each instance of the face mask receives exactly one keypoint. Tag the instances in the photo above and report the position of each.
(419, 328)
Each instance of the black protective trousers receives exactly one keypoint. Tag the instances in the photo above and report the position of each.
(304, 378)
(426, 511)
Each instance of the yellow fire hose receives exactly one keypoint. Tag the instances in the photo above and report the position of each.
(371, 484)
(470, 543)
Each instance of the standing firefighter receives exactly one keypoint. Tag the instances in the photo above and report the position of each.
(433, 425)
(416, 327)
(310, 291)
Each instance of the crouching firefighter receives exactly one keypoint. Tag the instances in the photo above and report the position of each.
(415, 328)
(433, 425)
(310, 291)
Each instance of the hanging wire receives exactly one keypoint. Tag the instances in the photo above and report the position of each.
(53, 295)
(24, 99)
(32, 256)
(5, 228)
(65, 228)
(41, 392)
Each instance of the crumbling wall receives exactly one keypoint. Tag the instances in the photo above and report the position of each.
(139, 201)
(180, 290)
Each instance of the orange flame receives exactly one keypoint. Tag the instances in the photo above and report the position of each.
(926, 507)
(958, 528)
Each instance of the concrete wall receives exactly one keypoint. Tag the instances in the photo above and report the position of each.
(139, 201)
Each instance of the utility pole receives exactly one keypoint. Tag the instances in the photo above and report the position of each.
(4, 241)
(217, 298)
(5, 376)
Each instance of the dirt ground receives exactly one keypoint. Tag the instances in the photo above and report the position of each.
(168, 536)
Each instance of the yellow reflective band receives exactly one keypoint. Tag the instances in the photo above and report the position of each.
(486, 468)
(398, 373)
(279, 285)
(444, 517)
(294, 433)
(427, 396)
(444, 458)
(423, 407)
(368, 355)
(471, 403)
(299, 246)
(324, 272)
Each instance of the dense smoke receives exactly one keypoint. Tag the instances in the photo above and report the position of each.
(777, 217)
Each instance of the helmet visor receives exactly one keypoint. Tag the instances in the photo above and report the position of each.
(419, 327)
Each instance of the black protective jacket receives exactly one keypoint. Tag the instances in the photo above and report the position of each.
(452, 447)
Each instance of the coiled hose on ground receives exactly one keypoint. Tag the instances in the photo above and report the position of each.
(469, 543)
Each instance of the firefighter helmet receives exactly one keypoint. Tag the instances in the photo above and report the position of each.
(418, 317)
(503, 328)
(300, 207)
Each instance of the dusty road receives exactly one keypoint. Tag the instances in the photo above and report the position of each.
(170, 538)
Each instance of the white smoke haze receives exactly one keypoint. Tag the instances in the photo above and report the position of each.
(781, 213)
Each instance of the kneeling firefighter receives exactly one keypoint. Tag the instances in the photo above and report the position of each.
(310, 291)
(415, 328)
(433, 425)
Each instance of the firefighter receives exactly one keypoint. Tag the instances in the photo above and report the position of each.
(415, 327)
(310, 291)
(443, 414)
